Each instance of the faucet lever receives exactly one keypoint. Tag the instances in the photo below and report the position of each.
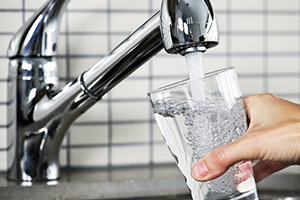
(38, 36)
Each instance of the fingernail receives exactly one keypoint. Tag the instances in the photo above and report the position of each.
(200, 170)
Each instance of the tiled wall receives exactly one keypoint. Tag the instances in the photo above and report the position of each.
(259, 37)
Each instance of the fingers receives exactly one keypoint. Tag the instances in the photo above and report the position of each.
(263, 169)
(272, 135)
(217, 162)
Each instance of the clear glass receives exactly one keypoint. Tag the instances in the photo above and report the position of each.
(195, 117)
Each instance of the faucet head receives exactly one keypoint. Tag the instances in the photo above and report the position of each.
(188, 26)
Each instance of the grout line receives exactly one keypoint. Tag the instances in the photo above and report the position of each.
(109, 105)
(265, 47)
(228, 34)
(151, 135)
(67, 80)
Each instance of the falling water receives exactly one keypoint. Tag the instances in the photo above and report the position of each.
(195, 69)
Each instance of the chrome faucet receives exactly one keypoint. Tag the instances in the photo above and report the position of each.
(40, 114)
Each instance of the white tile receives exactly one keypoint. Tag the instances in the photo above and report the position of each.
(62, 62)
(3, 89)
(222, 19)
(161, 154)
(219, 4)
(281, 64)
(87, 4)
(3, 158)
(61, 45)
(157, 137)
(16, 4)
(127, 111)
(95, 114)
(282, 22)
(92, 157)
(248, 65)
(130, 133)
(246, 5)
(3, 138)
(129, 4)
(170, 65)
(62, 157)
(247, 44)
(283, 85)
(251, 85)
(79, 65)
(10, 22)
(87, 22)
(63, 23)
(28, 15)
(88, 134)
(156, 4)
(130, 89)
(283, 5)
(11, 136)
(127, 22)
(243, 22)
(3, 115)
(214, 63)
(4, 41)
(65, 140)
(158, 83)
(284, 43)
(115, 40)
(130, 155)
(4, 72)
(142, 71)
(34, 4)
(88, 44)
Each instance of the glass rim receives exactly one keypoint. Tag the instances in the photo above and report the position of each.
(187, 80)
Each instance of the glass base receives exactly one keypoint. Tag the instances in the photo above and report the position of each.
(250, 195)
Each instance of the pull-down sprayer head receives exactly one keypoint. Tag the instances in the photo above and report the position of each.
(188, 26)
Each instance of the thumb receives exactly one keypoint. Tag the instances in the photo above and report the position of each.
(217, 162)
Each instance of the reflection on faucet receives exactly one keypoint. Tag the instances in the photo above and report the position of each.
(40, 114)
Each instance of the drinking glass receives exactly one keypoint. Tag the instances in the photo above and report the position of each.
(196, 116)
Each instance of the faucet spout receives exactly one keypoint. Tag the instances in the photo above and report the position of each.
(188, 26)
(39, 113)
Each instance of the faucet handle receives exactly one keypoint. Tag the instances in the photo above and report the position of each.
(188, 25)
(38, 36)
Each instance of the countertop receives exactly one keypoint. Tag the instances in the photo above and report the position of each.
(116, 183)
(143, 182)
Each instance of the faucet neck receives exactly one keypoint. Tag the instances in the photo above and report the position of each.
(39, 36)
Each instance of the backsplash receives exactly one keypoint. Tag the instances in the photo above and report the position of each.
(261, 38)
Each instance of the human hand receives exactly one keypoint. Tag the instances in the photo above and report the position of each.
(273, 137)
